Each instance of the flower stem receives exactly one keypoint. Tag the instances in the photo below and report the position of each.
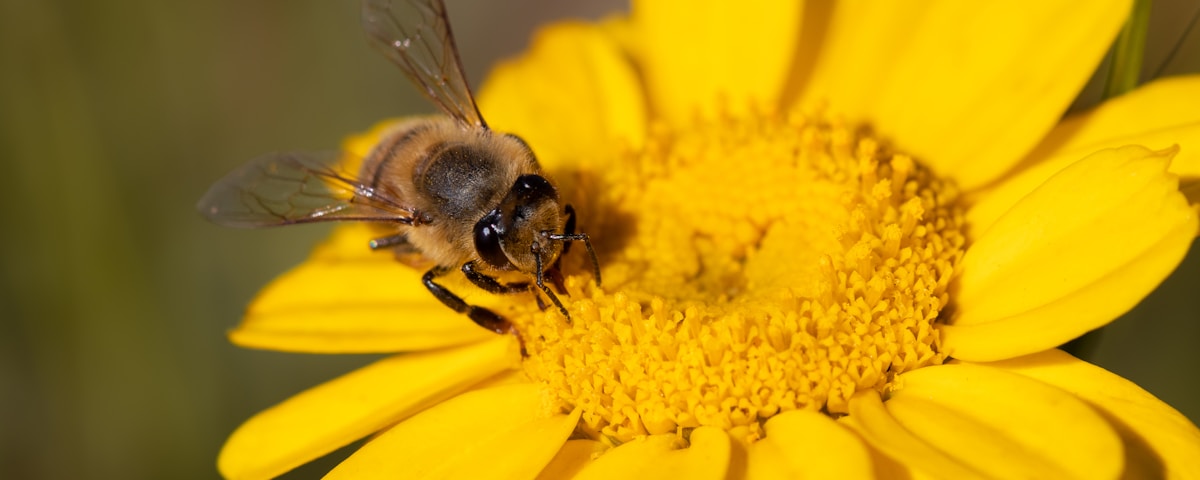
(1125, 71)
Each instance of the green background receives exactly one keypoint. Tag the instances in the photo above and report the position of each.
(116, 116)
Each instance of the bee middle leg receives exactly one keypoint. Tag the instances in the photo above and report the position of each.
(481, 316)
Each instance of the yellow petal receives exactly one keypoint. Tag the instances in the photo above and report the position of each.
(456, 430)
(1157, 114)
(764, 461)
(1071, 256)
(858, 47)
(571, 458)
(1005, 424)
(348, 299)
(811, 445)
(572, 96)
(1154, 115)
(968, 87)
(883, 465)
(880, 429)
(655, 456)
(468, 431)
(629, 458)
(1159, 441)
(701, 56)
(519, 453)
(350, 407)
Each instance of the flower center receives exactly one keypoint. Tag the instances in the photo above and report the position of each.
(750, 267)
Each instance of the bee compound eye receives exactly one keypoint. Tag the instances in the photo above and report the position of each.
(487, 240)
(532, 187)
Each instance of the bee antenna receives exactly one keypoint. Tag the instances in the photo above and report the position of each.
(587, 243)
(569, 235)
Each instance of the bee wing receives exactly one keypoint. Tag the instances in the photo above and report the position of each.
(291, 188)
(416, 36)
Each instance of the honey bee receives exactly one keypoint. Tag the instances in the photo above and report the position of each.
(459, 195)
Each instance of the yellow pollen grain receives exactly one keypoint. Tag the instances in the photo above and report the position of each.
(751, 267)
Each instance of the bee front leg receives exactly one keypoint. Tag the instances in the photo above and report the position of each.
(490, 284)
(482, 280)
(539, 280)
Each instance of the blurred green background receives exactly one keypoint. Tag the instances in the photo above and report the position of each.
(116, 116)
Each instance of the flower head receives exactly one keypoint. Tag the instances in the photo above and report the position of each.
(834, 242)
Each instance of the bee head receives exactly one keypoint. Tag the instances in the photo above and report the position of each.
(513, 236)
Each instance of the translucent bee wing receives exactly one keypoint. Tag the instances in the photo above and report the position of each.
(290, 188)
(416, 36)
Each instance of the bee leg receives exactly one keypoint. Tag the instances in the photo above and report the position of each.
(490, 284)
(568, 229)
(569, 236)
(540, 280)
(556, 278)
(401, 249)
(399, 240)
(481, 316)
(482, 280)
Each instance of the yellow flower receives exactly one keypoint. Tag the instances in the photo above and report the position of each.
(837, 242)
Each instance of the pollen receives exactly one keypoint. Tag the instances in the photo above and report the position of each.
(750, 267)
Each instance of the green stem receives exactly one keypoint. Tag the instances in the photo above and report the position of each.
(1125, 71)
